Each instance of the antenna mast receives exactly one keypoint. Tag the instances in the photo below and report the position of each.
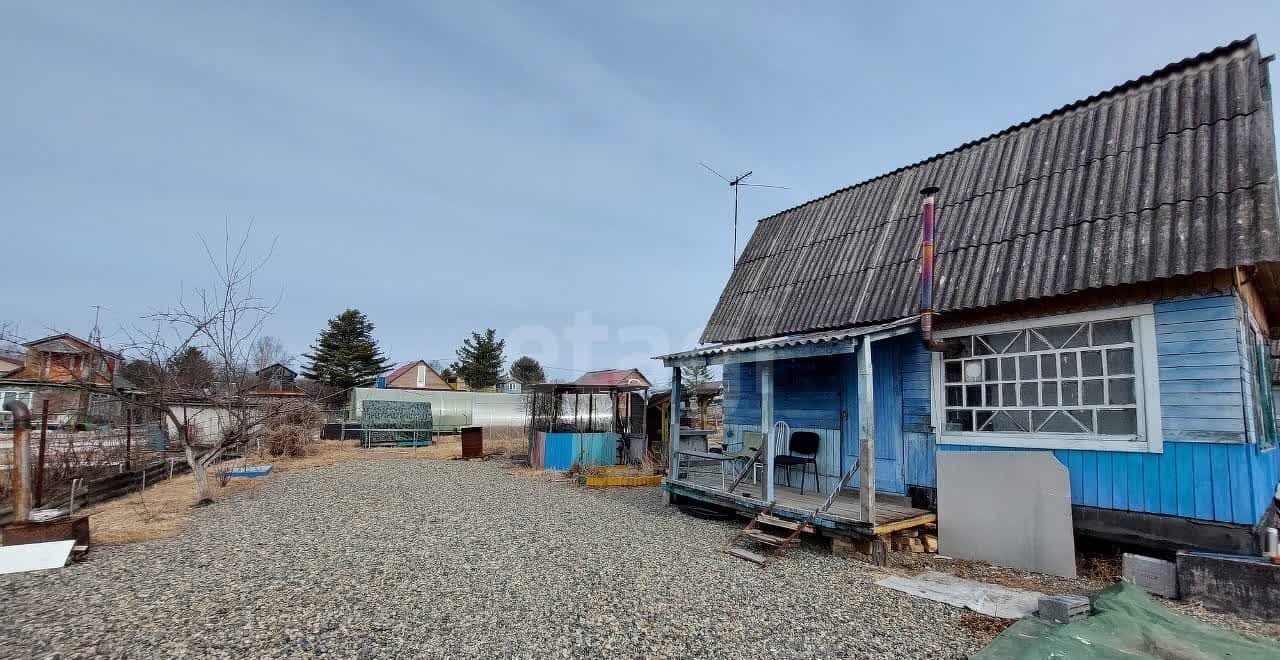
(735, 183)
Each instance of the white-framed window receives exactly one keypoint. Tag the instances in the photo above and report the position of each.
(1075, 381)
(10, 395)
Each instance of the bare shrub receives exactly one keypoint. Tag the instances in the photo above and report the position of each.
(294, 431)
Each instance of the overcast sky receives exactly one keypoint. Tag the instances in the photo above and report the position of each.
(530, 167)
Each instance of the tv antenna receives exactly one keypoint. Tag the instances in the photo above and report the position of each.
(95, 335)
(735, 183)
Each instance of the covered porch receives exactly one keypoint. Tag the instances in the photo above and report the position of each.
(820, 388)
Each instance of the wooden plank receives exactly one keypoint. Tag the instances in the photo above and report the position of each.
(1186, 482)
(1104, 479)
(673, 431)
(1202, 347)
(867, 431)
(1220, 471)
(747, 555)
(1169, 479)
(1218, 325)
(1199, 373)
(1205, 359)
(1202, 468)
(766, 425)
(1217, 313)
(1223, 385)
(1151, 482)
(1201, 302)
(1173, 399)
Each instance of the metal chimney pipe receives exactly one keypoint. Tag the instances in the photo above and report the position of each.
(21, 459)
(926, 272)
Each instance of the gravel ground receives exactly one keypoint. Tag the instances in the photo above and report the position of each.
(386, 558)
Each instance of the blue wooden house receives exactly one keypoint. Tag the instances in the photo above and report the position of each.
(1102, 289)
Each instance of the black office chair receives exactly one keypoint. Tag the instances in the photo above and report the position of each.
(804, 443)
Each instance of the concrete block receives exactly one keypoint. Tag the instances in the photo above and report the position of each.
(1064, 609)
(1152, 575)
(1231, 583)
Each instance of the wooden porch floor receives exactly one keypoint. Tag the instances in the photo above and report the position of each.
(893, 512)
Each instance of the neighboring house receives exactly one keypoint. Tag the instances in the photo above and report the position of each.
(9, 363)
(508, 385)
(416, 375)
(76, 377)
(276, 381)
(1106, 284)
(628, 378)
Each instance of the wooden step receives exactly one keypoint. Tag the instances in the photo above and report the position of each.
(766, 538)
(771, 521)
(747, 555)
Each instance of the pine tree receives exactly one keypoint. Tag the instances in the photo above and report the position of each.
(480, 360)
(192, 371)
(345, 355)
(527, 371)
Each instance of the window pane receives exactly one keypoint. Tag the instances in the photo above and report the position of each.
(1120, 361)
(1057, 422)
(1008, 368)
(980, 347)
(1012, 421)
(1058, 336)
(1091, 392)
(953, 372)
(1084, 418)
(1037, 342)
(1048, 366)
(1120, 391)
(1009, 394)
(1027, 368)
(1030, 394)
(1112, 332)
(982, 419)
(1080, 340)
(1091, 363)
(1122, 421)
(955, 396)
(959, 420)
(960, 347)
(1007, 342)
(1067, 362)
(993, 395)
(1048, 394)
(973, 371)
(1070, 393)
(973, 395)
(991, 369)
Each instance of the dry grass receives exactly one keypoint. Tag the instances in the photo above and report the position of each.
(985, 628)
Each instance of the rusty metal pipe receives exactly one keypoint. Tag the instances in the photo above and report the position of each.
(21, 471)
(926, 272)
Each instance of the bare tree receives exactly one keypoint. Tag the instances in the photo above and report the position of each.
(268, 350)
(224, 321)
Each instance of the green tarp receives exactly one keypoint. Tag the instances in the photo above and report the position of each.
(1126, 624)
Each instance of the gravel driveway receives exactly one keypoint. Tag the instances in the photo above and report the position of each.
(412, 558)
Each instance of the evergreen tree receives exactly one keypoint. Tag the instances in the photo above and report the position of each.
(480, 360)
(345, 355)
(192, 371)
(527, 371)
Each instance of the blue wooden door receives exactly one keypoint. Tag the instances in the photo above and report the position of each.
(887, 381)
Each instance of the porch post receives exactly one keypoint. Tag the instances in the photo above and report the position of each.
(673, 426)
(867, 428)
(766, 425)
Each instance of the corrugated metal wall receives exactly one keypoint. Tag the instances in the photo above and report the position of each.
(480, 408)
(561, 451)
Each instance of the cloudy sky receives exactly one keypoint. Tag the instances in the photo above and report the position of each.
(530, 167)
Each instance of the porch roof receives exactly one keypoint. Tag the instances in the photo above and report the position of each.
(809, 344)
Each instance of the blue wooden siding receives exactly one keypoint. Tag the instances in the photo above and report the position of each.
(1211, 467)
(1199, 355)
(1210, 481)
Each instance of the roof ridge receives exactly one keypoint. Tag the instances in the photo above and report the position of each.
(1128, 85)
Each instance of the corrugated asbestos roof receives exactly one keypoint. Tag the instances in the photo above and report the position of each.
(1170, 174)
(790, 340)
